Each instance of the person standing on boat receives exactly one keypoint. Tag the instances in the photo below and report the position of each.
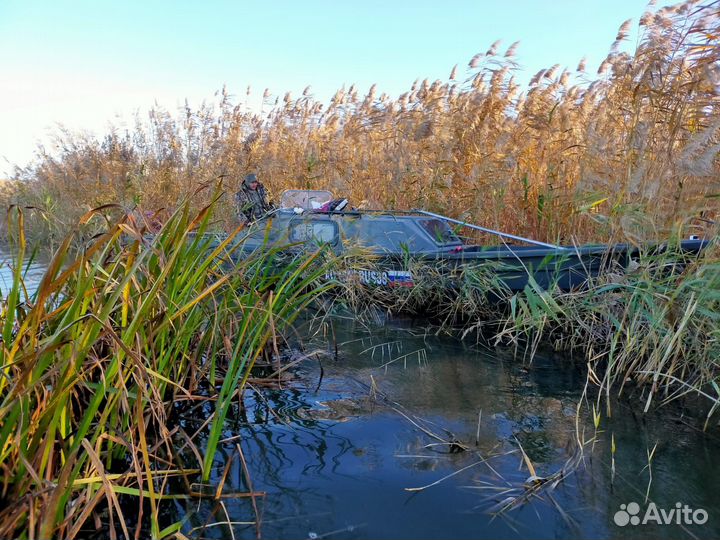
(251, 199)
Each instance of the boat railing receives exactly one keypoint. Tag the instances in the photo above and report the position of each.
(491, 231)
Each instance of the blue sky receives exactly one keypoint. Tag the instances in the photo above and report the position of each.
(83, 63)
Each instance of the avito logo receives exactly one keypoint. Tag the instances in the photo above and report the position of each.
(682, 514)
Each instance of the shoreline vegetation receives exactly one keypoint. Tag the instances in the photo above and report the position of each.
(653, 326)
(99, 361)
(122, 329)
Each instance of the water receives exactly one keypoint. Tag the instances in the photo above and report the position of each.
(343, 470)
(32, 273)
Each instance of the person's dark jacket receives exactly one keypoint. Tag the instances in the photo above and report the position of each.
(252, 204)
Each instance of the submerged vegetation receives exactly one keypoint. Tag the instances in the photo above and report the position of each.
(116, 339)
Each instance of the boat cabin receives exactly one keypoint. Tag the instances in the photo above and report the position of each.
(307, 216)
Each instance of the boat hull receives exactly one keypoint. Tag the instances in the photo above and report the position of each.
(514, 268)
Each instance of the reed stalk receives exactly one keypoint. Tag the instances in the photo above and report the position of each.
(95, 361)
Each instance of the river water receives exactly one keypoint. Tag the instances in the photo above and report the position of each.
(32, 272)
(343, 456)
(363, 424)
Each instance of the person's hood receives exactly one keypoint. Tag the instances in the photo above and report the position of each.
(249, 179)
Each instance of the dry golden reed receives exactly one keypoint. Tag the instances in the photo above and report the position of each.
(565, 157)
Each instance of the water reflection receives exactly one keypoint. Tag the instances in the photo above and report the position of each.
(337, 461)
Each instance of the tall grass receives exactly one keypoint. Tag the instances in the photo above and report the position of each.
(655, 327)
(116, 336)
(624, 151)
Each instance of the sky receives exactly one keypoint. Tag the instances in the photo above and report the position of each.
(86, 64)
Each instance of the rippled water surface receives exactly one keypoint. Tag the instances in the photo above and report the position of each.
(341, 450)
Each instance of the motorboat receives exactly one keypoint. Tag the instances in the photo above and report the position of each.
(399, 242)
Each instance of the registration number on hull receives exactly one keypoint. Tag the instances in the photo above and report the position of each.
(383, 278)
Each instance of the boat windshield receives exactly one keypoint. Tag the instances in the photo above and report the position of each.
(440, 231)
(307, 199)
